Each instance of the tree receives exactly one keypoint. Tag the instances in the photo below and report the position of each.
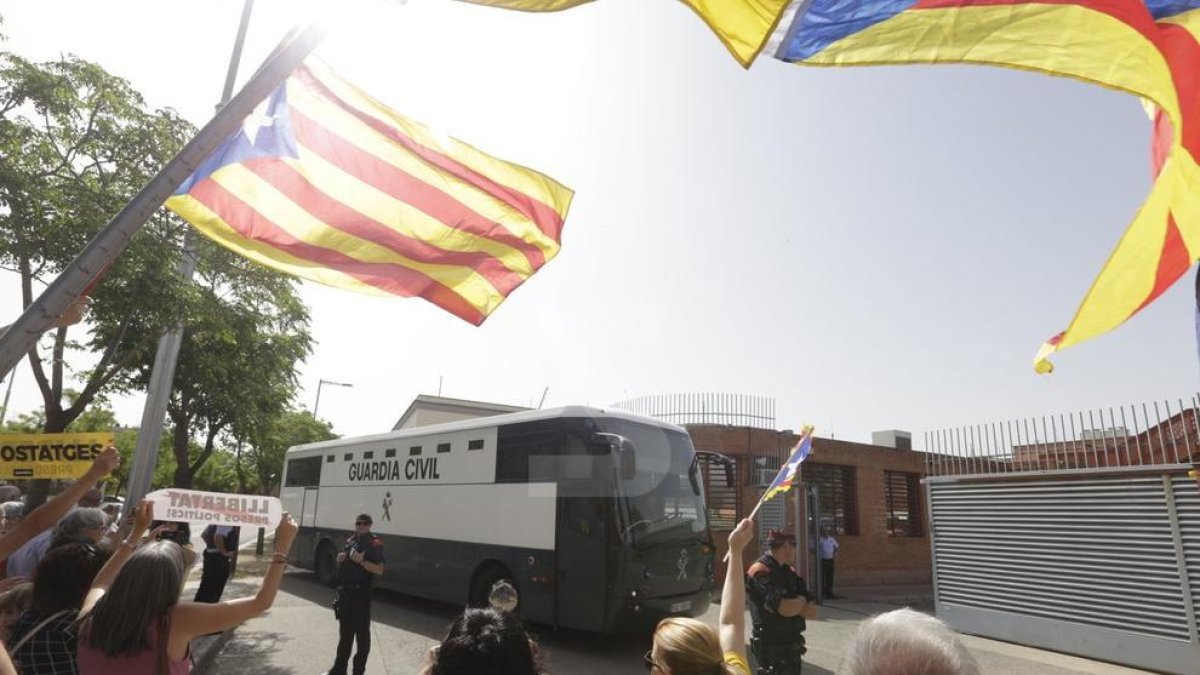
(76, 143)
(263, 457)
(245, 329)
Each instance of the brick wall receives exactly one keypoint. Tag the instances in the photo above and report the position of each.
(871, 556)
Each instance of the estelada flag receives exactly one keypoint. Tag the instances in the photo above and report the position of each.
(786, 478)
(330, 185)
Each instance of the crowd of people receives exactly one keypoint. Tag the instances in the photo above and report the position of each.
(80, 595)
(902, 642)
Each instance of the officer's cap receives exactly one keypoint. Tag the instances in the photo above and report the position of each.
(362, 517)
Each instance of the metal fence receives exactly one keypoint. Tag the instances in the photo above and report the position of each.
(1156, 434)
(744, 410)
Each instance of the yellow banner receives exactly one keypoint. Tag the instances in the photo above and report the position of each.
(64, 456)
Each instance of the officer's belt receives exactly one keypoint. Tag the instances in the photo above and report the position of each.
(353, 587)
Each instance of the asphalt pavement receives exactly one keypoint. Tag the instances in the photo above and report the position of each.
(299, 634)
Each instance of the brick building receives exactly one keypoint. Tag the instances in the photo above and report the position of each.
(870, 495)
(1171, 441)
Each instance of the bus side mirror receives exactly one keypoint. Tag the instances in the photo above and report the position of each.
(623, 452)
(725, 461)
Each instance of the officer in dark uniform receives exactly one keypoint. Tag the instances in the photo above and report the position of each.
(360, 561)
(778, 597)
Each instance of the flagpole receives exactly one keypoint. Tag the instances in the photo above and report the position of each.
(108, 244)
(762, 497)
(162, 374)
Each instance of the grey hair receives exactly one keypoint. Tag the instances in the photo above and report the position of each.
(74, 524)
(904, 642)
(12, 510)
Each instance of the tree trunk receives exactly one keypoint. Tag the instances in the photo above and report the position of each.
(179, 445)
(38, 490)
(241, 470)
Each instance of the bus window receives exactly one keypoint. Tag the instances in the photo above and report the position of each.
(528, 457)
(303, 472)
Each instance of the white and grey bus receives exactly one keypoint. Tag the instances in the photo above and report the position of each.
(597, 518)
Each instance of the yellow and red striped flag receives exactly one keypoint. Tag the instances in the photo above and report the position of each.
(330, 185)
(742, 25)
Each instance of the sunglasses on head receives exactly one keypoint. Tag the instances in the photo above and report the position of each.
(648, 660)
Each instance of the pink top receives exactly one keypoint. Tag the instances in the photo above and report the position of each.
(92, 661)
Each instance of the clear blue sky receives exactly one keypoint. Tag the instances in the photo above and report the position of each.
(875, 248)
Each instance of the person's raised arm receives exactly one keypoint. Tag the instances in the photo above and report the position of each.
(6, 664)
(732, 624)
(45, 516)
(104, 579)
(192, 619)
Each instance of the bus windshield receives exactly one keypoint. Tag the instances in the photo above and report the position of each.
(664, 499)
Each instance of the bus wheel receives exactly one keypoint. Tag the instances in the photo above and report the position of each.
(486, 580)
(326, 564)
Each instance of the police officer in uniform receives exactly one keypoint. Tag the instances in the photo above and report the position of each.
(778, 598)
(360, 561)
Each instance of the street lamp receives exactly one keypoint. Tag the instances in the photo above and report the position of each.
(322, 383)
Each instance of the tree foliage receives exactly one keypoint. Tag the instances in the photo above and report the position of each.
(76, 143)
(262, 458)
(245, 329)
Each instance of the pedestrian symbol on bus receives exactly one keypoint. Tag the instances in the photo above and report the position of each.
(387, 505)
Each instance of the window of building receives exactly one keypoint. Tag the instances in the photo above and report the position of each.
(476, 444)
(902, 496)
(328, 458)
(414, 451)
(720, 494)
(765, 469)
(838, 492)
(303, 472)
(370, 454)
(389, 453)
(443, 447)
(348, 457)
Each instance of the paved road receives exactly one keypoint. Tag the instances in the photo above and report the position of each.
(298, 636)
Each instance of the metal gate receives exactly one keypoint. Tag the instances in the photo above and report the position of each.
(1100, 559)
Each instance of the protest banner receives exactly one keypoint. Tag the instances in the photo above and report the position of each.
(216, 508)
(63, 456)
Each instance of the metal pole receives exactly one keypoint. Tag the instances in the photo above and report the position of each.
(108, 244)
(7, 393)
(317, 404)
(290, 53)
(1171, 427)
(1187, 438)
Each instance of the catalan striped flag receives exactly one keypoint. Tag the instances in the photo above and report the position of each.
(789, 473)
(1145, 47)
(742, 25)
(332, 186)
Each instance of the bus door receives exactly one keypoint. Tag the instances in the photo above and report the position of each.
(308, 508)
(582, 585)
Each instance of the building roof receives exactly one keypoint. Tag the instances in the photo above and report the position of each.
(459, 405)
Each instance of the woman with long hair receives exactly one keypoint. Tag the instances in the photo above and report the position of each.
(133, 621)
(690, 647)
